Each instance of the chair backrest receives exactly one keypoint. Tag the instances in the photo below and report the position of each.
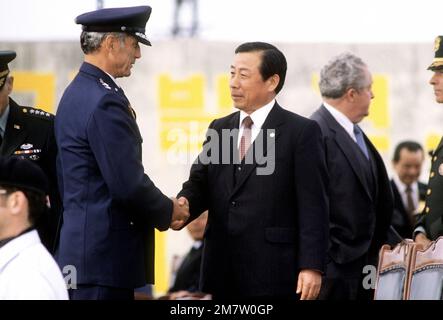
(427, 272)
(393, 276)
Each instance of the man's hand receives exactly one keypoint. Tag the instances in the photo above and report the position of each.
(308, 284)
(422, 240)
(180, 214)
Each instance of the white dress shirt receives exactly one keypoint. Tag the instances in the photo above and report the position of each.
(342, 120)
(402, 190)
(113, 79)
(28, 271)
(258, 118)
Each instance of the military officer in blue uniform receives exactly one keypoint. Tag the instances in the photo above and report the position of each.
(111, 206)
(430, 227)
(28, 133)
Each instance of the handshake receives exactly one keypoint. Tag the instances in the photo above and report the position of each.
(180, 214)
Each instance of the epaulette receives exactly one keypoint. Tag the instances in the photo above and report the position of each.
(107, 86)
(104, 84)
(38, 113)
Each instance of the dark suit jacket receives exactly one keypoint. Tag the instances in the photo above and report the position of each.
(111, 207)
(359, 218)
(29, 135)
(187, 276)
(400, 220)
(262, 229)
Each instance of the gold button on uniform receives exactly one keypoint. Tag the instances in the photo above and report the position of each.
(428, 192)
(427, 209)
(434, 158)
(432, 174)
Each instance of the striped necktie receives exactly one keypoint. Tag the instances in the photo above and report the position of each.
(245, 141)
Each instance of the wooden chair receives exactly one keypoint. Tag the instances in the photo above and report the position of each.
(426, 281)
(393, 276)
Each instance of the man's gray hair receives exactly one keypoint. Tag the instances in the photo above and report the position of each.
(343, 72)
(91, 41)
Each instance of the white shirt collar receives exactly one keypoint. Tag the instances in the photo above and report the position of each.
(113, 79)
(342, 120)
(402, 190)
(258, 116)
(401, 186)
(10, 250)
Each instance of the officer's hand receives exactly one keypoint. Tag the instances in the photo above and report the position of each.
(180, 214)
(308, 284)
(422, 240)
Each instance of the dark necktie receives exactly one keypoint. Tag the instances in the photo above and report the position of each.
(410, 203)
(245, 141)
(360, 140)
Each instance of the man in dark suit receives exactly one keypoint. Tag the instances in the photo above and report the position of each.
(360, 197)
(28, 133)
(267, 224)
(430, 226)
(111, 207)
(187, 275)
(408, 192)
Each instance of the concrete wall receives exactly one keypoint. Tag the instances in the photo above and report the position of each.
(177, 87)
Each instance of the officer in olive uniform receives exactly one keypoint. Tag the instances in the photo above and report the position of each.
(28, 133)
(430, 227)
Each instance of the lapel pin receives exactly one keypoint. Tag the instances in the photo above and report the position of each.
(16, 126)
(272, 134)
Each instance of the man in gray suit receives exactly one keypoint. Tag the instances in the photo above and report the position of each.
(360, 197)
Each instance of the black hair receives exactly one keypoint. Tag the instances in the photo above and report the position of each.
(409, 145)
(273, 60)
(36, 203)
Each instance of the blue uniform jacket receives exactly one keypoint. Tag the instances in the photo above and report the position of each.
(111, 207)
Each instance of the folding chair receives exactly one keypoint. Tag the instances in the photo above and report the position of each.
(427, 272)
(393, 274)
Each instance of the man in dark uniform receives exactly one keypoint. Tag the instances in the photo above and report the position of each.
(430, 227)
(111, 207)
(28, 133)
